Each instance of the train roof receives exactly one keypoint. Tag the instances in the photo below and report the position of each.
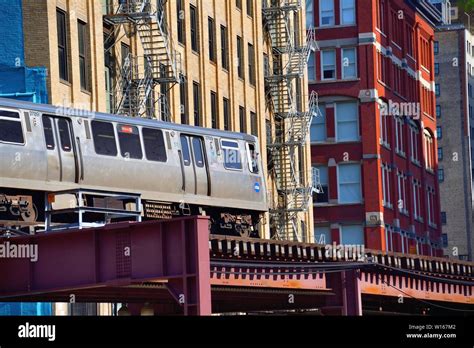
(71, 112)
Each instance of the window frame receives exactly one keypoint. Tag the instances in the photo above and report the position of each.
(339, 183)
(356, 75)
(146, 155)
(323, 65)
(119, 132)
(333, 21)
(337, 122)
(341, 11)
(224, 147)
(63, 45)
(14, 119)
(95, 142)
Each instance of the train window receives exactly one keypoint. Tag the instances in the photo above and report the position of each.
(104, 138)
(48, 133)
(11, 131)
(232, 158)
(252, 158)
(64, 135)
(154, 145)
(9, 114)
(129, 140)
(185, 150)
(198, 155)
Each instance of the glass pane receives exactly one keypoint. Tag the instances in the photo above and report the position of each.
(185, 150)
(11, 131)
(352, 235)
(104, 138)
(64, 135)
(48, 133)
(129, 140)
(154, 145)
(198, 155)
(322, 235)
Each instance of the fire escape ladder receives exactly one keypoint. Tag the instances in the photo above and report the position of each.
(294, 186)
(160, 65)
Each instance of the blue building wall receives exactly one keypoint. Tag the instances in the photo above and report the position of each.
(22, 83)
(17, 80)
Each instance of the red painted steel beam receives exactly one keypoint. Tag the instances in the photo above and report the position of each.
(117, 255)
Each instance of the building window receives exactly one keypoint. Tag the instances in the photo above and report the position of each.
(181, 21)
(253, 124)
(318, 126)
(438, 111)
(83, 57)
(197, 103)
(309, 14)
(240, 57)
(402, 193)
(212, 39)
(416, 199)
(213, 110)
(384, 125)
(311, 67)
(441, 175)
(352, 235)
(328, 64)
(386, 187)
(252, 75)
(430, 199)
(444, 219)
(439, 132)
(437, 90)
(429, 155)
(224, 48)
(250, 8)
(242, 119)
(349, 63)
(183, 99)
(326, 12)
(194, 29)
(62, 45)
(238, 4)
(399, 141)
(436, 47)
(436, 69)
(440, 153)
(349, 184)
(226, 114)
(347, 11)
(322, 235)
(414, 144)
(347, 119)
(322, 197)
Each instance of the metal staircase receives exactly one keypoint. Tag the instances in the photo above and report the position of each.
(136, 92)
(294, 186)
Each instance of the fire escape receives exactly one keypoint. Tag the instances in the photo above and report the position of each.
(135, 88)
(294, 186)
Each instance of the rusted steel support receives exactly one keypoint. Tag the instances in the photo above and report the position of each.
(126, 256)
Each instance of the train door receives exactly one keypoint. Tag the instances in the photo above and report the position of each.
(61, 157)
(194, 165)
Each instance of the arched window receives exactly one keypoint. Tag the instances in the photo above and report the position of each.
(428, 150)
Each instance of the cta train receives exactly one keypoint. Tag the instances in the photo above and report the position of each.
(189, 170)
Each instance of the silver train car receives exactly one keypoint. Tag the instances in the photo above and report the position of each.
(192, 170)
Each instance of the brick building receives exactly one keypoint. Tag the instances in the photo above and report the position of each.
(454, 70)
(375, 147)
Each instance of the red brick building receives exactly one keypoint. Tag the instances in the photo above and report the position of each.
(375, 146)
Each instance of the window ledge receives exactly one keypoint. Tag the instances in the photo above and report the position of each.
(318, 82)
(335, 26)
(65, 82)
(401, 153)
